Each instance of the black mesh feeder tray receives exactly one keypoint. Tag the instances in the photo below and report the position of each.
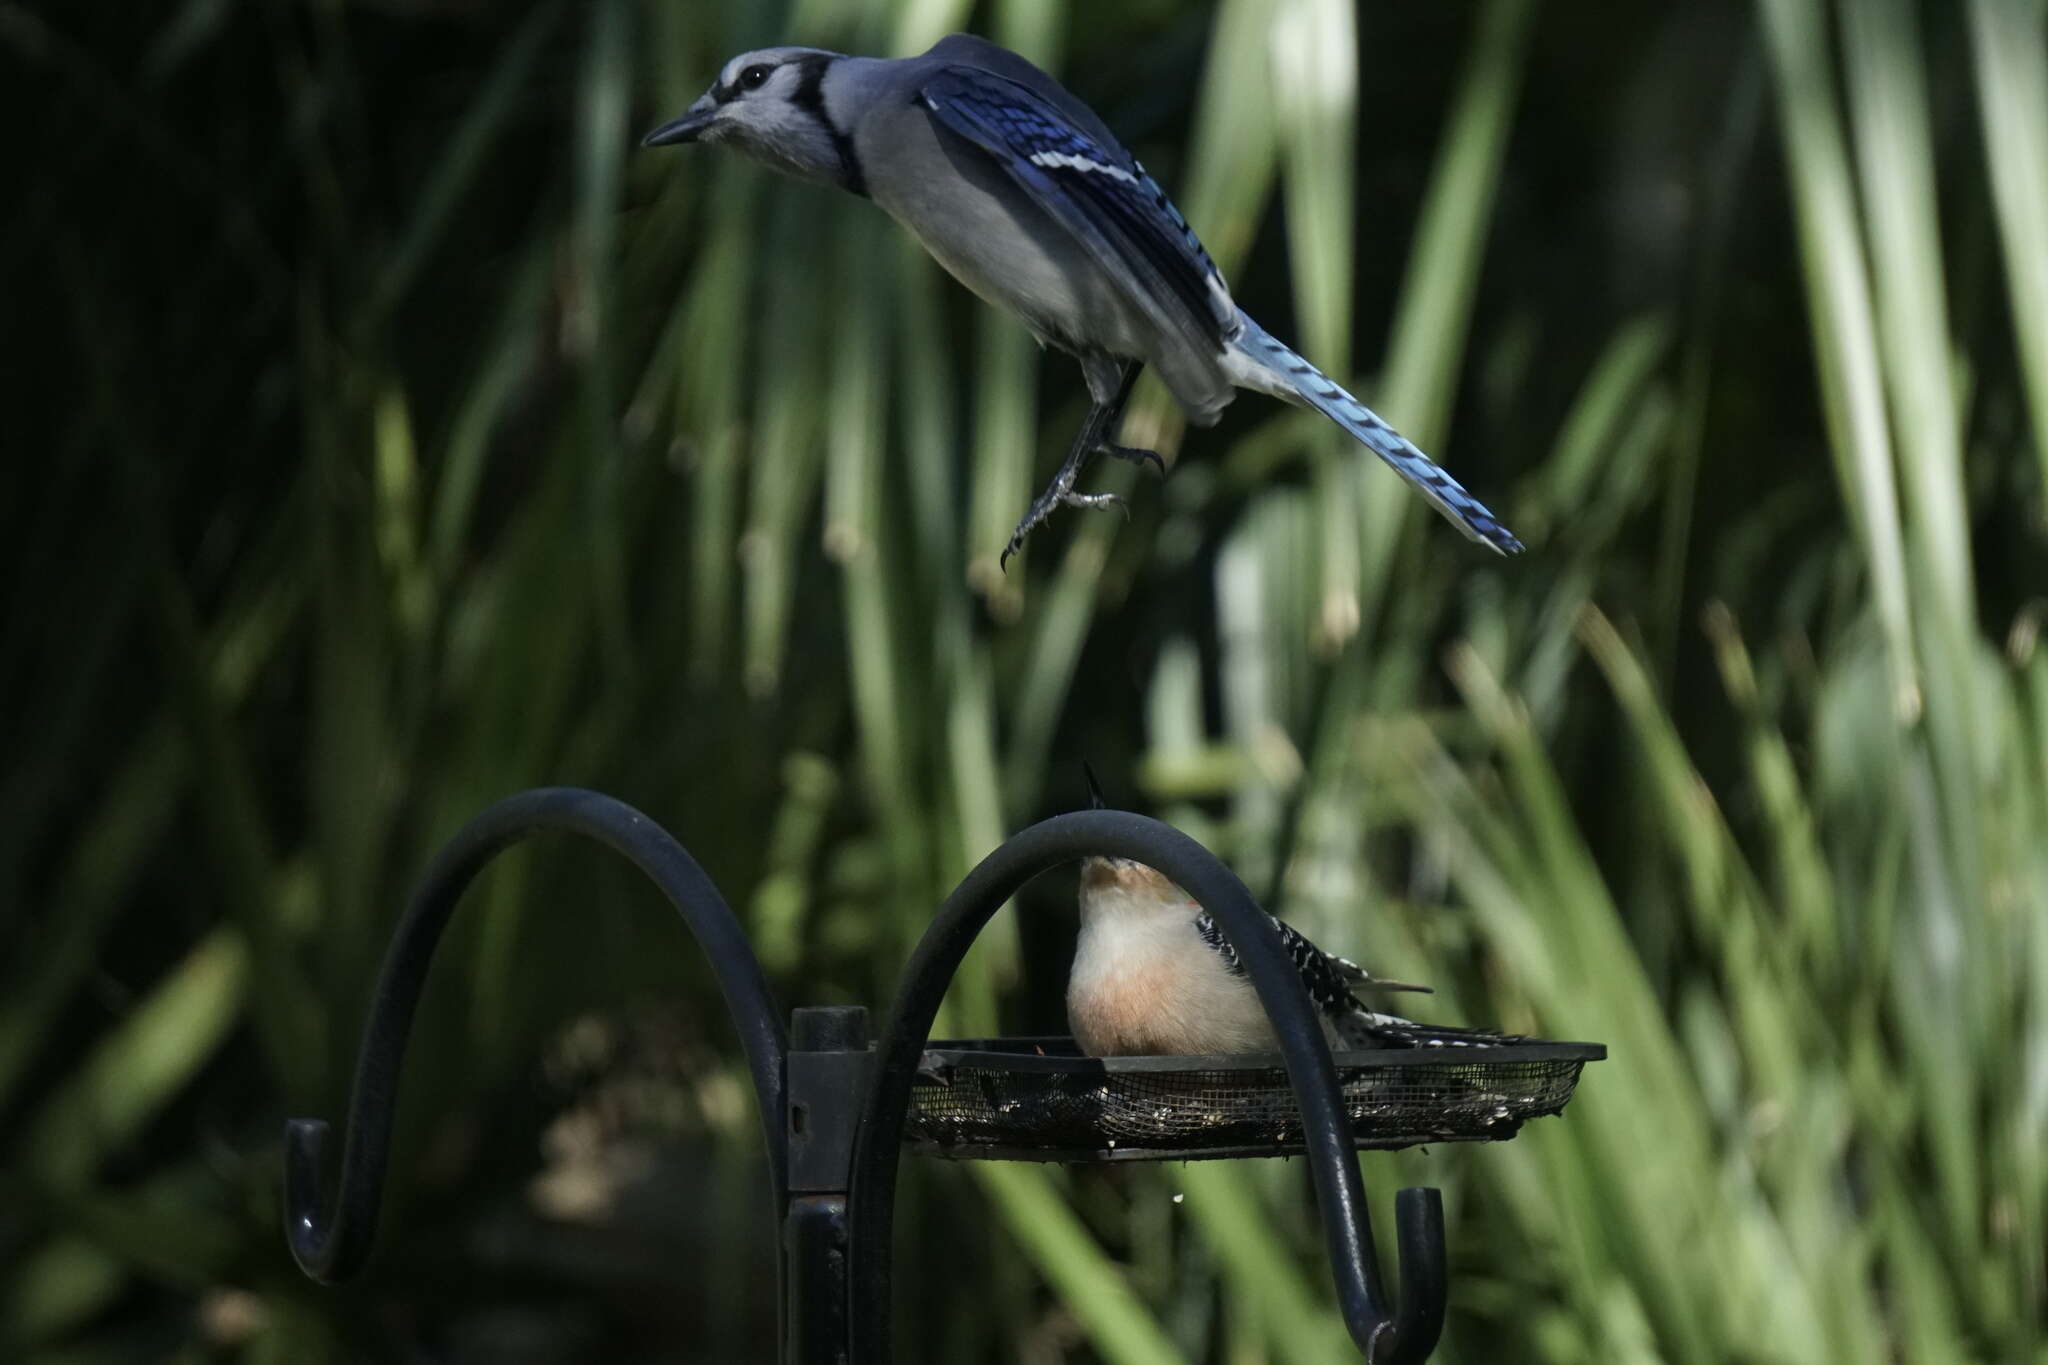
(837, 1112)
(1039, 1099)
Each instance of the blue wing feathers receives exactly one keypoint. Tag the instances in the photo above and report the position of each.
(1097, 190)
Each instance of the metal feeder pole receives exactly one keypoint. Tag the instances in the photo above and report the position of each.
(331, 1241)
(829, 1066)
(832, 1110)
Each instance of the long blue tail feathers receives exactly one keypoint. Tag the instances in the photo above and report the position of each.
(1326, 396)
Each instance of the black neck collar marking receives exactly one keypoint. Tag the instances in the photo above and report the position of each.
(810, 97)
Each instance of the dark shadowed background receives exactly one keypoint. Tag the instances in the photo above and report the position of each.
(390, 433)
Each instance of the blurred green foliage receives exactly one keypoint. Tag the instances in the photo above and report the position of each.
(399, 436)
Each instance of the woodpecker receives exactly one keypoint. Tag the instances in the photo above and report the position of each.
(1022, 193)
(1154, 974)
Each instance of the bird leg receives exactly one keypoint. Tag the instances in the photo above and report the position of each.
(1094, 429)
(1109, 383)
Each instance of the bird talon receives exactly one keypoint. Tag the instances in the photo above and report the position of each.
(1149, 458)
(1040, 510)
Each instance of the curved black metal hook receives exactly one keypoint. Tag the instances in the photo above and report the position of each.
(1389, 1333)
(332, 1247)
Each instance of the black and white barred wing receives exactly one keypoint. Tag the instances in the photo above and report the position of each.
(1099, 193)
(1330, 979)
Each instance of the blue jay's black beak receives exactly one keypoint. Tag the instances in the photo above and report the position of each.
(688, 128)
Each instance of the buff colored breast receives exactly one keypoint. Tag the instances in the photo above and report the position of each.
(1144, 983)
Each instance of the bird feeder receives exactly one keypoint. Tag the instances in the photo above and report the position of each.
(1040, 1099)
(837, 1112)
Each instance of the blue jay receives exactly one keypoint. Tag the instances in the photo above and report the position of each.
(1024, 196)
(1154, 974)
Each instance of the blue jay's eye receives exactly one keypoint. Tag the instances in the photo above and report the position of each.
(754, 77)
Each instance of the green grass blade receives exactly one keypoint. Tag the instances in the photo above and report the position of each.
(1434, 315)
(1092, 1287)
(1841, 315)
(139, 1067)
(2010, 39)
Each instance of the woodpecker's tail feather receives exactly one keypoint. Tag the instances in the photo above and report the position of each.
(1364, 1028)
(1326, 396)
(1351, 971)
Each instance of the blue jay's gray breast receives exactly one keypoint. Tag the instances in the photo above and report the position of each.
(988, 234)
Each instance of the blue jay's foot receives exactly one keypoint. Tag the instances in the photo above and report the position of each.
(1136, 456)
(1059, 493)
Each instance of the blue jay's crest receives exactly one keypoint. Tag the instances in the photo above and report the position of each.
(1099, 192)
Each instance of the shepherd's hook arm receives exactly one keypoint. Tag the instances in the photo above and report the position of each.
(1388, 1332)
(331, 1243)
